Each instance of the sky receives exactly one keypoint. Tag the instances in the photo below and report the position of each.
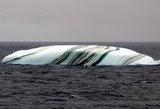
(80, 20)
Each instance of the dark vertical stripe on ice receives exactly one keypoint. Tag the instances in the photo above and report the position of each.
(66, 54)
(132, 59)
(90, 58)
(103, 56)
(15, 59)
(80, 55)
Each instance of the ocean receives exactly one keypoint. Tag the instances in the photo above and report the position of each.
(76, 87)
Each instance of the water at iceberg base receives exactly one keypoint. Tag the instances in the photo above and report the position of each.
(79, 55)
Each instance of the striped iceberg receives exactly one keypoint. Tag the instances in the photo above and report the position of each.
(81, 55)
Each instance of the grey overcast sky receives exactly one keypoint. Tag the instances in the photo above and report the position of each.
(80, 20)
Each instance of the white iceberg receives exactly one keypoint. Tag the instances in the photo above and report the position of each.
(81, 55)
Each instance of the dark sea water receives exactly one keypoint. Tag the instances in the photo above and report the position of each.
(75, 87)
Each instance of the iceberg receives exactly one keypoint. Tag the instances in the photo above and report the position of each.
(78, 55)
